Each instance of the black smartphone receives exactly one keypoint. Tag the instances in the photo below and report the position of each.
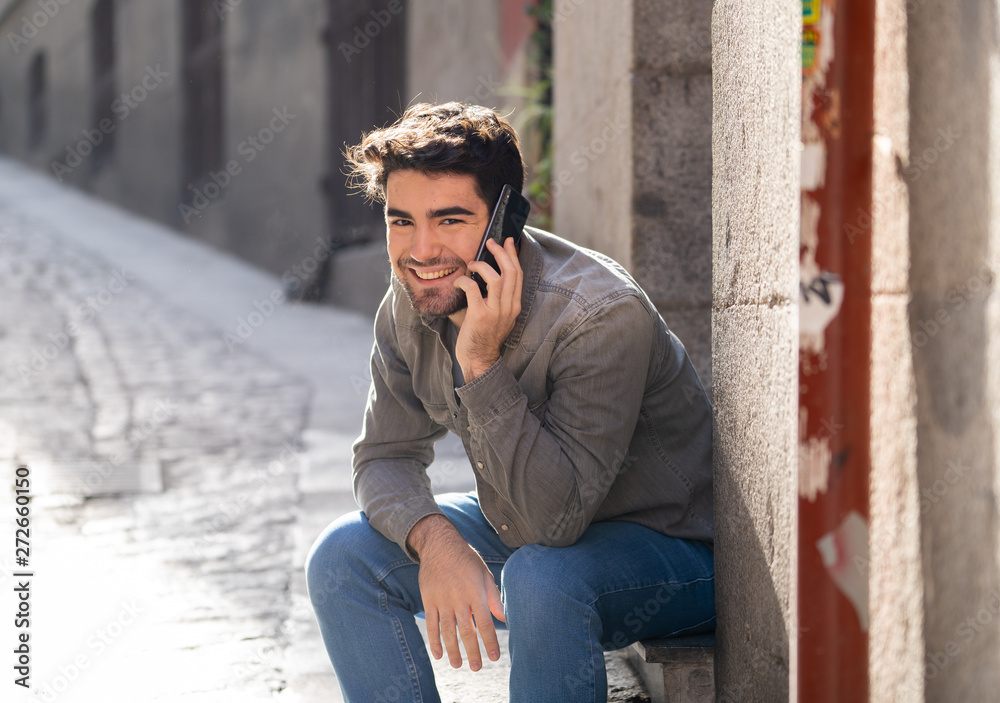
(508, 219)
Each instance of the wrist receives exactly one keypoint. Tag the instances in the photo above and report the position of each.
(475, 369)
(429, 532)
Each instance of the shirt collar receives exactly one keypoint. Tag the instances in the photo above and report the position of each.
(530, 257)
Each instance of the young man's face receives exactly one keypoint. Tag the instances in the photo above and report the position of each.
(434, 224)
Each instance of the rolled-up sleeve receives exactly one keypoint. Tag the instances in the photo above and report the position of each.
(396, 444)
(556, 469)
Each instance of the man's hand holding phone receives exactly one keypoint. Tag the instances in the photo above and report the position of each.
(493, 287)
(489, 320)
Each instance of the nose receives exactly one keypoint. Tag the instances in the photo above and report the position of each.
(425, 245)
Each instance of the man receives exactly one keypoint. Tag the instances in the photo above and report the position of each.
(587, 428)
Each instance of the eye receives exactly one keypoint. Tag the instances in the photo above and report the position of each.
(398, 223)
(452, 221)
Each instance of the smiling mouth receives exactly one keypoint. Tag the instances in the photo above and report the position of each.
(434, 275)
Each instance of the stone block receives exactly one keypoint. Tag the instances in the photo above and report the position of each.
(677, 669)
(894, 571)
(681, 31)
(756, 152)
(592, 171)
(755, 391)
(672, 190)
(890, 208)
(587, 78)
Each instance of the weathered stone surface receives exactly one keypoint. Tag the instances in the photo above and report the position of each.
(672, 194)
(206, 562)
(593, 131)
(681, 30)
(755, 499)
(954, 240)
(756, 73)
(633, 157)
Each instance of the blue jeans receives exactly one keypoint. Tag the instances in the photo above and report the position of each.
(619, 583)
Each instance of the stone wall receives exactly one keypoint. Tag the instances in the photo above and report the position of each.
(633, 158)
(757, 88)
(895, 581)
(440, 30)
(954, 195)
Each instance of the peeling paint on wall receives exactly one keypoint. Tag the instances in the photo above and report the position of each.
(814, 467)
(820, 301)
(844, 551)
(817, 125)
(813, 166)
(814, 461)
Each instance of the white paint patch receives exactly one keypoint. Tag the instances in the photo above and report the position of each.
(883, 144)
(820, 300)
(827, 42)
(813, 165)
(809, 227)
(844, 552)
(814, 467)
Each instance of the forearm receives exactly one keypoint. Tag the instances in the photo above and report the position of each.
(395, 496)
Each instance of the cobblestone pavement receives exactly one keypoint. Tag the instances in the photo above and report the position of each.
(172, 570)
(202, 569)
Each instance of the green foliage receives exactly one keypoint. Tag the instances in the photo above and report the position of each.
(538, 111)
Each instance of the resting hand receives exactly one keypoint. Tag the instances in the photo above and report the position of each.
(458, 591)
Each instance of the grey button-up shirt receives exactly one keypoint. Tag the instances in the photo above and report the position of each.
(593, 411)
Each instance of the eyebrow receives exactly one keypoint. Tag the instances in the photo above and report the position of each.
(433, 214)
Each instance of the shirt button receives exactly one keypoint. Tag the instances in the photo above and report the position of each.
(480, 465)
(468, 428)
(455, 415)
(504, 527)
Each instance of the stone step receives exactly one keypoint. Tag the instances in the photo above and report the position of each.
(677, 669)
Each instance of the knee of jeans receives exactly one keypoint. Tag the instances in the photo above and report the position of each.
(329, 563)
(535, 579)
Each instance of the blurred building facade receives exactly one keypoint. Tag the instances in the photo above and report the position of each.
(227, 118)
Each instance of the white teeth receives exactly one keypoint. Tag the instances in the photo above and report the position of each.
(436, 274)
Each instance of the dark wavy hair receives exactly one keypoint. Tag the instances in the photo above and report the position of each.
(447, 138)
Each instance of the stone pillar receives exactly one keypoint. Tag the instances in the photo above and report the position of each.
(755, 212)
(955, 329)
(633, 161)
(895, 634)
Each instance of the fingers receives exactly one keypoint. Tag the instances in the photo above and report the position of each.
(473, 295)
(467, 630)
(451, 642)
(504, 286)
(487, 273)
(510, 273)
(495, 603)
(433, 632)
(481, 621)
(484, 621)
